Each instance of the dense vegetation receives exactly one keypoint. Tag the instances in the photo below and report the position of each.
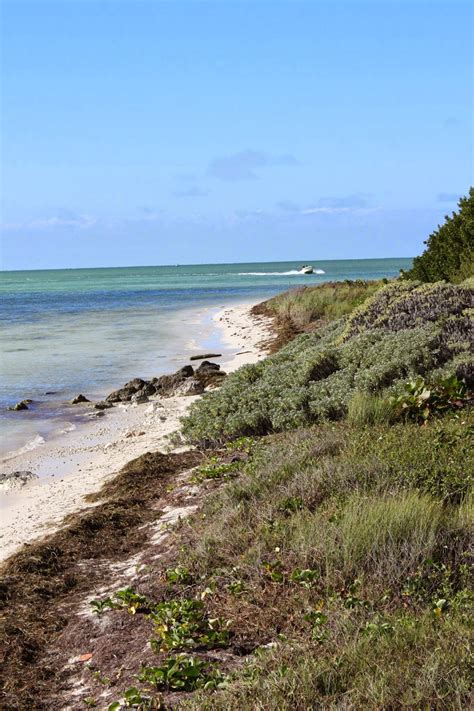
(342, 553)
(402, 331)
(328, 563)
(449, 254)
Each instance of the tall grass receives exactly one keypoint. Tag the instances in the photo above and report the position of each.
(323, 302)
(366, 408)
(389, 536)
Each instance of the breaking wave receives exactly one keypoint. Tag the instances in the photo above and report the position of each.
(32, 444)
(292, 272)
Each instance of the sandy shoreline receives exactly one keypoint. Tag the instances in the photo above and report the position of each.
(82, 461)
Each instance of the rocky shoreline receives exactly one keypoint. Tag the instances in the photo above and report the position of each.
(138, 417)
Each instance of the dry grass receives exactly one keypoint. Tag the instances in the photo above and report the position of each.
(306, 308)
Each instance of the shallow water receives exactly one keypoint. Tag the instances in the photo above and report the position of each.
(90, 330)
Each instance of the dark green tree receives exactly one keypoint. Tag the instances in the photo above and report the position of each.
(449, 253)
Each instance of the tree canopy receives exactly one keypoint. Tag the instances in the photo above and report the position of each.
(449, 254)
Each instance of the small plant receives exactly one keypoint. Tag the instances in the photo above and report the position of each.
(241, 444)
(236, 587)
(101, 679)
(291, 505)
(182, 673)
(419, 400)
(305, 577)
(126, 598)
(100, 606)
(377, 628)
(134, 698)
(318, 620)
(182, 623)
(215, 469)
(274, 571)
(351, 597)
(179, 576)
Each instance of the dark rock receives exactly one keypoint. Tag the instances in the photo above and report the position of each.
(23, 405)
(206, 355)
(148, 389)
(121, 395)
(166, 385)
(139, 397)
(185, 372)
(79, 398)
(103, 405)
(134, 386)
(210, 374)
(136, 383)
(207, 365)
(190, 386)
(211, 378)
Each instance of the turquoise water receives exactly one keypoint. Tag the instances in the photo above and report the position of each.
(90, 330)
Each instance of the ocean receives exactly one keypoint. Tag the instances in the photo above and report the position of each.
(71, 331)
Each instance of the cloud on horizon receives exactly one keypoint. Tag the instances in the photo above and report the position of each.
(244, 165)
(63, 218)
(190, 192)
(357, 203)
(350, 201)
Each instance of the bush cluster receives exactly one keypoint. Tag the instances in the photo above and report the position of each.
(403, 331)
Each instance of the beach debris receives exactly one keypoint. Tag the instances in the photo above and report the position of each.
(17, 479)
(84, 657)
(206, 355)
(78, 399)
(22, 405)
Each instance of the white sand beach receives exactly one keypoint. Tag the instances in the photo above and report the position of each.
(80, 462)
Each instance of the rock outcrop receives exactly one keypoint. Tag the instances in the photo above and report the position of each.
(23, 405)
(78, 399)
(186, 381)
(103, 405)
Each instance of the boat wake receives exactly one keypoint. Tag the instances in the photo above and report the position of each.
(292, 272)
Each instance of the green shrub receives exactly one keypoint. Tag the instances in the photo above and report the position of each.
(182, 673)
(405, 330)
(419, 400)
(183, 623)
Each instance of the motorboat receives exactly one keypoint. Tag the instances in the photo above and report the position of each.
(306, 269)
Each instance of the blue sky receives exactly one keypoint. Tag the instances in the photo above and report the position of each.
(147, 132)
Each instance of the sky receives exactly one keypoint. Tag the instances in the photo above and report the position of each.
(141, 132)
